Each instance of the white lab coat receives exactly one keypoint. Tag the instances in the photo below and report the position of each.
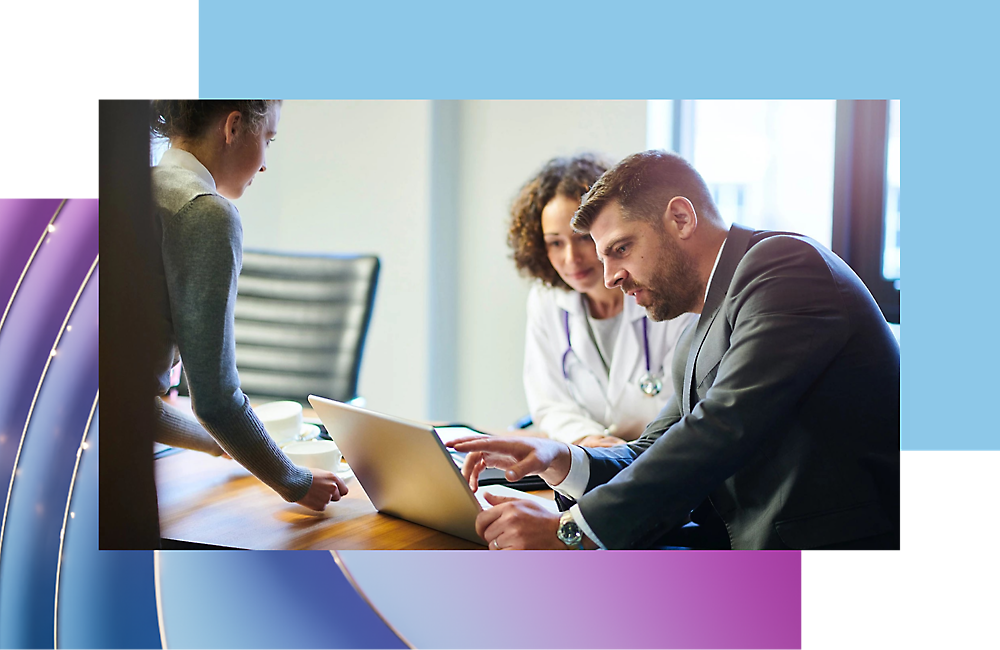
(590, 401)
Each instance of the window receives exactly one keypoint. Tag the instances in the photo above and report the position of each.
(826, 169)
(769, 164)
(157, 147)
(890, 251)
(866, 197)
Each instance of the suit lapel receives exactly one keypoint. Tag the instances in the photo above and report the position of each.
(732, 252)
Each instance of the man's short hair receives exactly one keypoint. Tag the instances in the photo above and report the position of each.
(643, 184)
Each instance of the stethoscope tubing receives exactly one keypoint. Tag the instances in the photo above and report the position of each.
(645, 345)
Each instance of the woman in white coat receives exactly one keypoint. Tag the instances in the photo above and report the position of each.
(596, 368)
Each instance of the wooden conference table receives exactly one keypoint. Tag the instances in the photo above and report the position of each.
(215, 501)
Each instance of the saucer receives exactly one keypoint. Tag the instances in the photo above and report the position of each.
(308, 432)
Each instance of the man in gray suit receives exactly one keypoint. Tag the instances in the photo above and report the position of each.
(785, 420)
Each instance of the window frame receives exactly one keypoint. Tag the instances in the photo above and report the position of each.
(859, 188)
(859, 183)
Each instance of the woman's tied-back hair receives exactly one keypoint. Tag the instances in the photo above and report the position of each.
(191, 118)
(569, 177)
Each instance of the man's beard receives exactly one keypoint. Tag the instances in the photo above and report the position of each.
(673, 286)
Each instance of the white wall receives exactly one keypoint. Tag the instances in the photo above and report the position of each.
(353, 177)
(502, 144)
(427, 186)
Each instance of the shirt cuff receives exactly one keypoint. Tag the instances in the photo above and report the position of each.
(582, 523)
(575, 483)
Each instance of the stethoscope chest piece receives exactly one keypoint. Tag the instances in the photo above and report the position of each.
(650, 384)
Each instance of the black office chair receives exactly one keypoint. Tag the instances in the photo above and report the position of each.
(301, 322)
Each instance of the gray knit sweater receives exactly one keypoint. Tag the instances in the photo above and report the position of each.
(200, 258)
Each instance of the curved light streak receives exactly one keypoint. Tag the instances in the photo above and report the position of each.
(38, 389)
(13, 294)
(62, 533)
(159, 600)
(347, 574)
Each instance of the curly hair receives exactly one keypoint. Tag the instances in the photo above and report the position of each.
(190, 118)
(569, 177)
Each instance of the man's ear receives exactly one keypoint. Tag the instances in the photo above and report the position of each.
(680, 217)
(234, 122)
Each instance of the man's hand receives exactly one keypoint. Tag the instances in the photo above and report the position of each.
(599, 441)
(326, 487)
(518, 457)
(513, 524)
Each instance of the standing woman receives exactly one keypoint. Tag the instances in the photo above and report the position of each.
(216, 149)
(595, 365)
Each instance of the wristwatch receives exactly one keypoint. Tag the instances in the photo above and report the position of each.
(569, 533)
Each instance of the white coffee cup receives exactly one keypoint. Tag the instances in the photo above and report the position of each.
(315, 454)
(282, 420)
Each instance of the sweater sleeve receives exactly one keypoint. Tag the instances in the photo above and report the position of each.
(202, 256)
(177, 429)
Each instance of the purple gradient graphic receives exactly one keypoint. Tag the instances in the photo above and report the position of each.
(22, 222)
(37, 314)
(107, 599)
(29, 559)
(264, 599)
(254, 599)
(600, 599)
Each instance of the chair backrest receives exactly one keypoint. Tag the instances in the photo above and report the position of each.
(301, 322)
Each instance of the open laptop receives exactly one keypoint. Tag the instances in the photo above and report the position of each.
(406, 470)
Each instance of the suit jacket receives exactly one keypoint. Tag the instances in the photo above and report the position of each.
(785, 414)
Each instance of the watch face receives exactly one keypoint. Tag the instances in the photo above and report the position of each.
(569, 533)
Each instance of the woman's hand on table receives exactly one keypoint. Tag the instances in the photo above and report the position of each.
(326, 487)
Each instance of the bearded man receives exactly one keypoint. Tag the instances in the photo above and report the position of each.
(785, 419)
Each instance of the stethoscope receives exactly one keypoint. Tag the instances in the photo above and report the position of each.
(649, 384)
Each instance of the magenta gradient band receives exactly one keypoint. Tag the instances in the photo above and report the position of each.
(470, 599)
